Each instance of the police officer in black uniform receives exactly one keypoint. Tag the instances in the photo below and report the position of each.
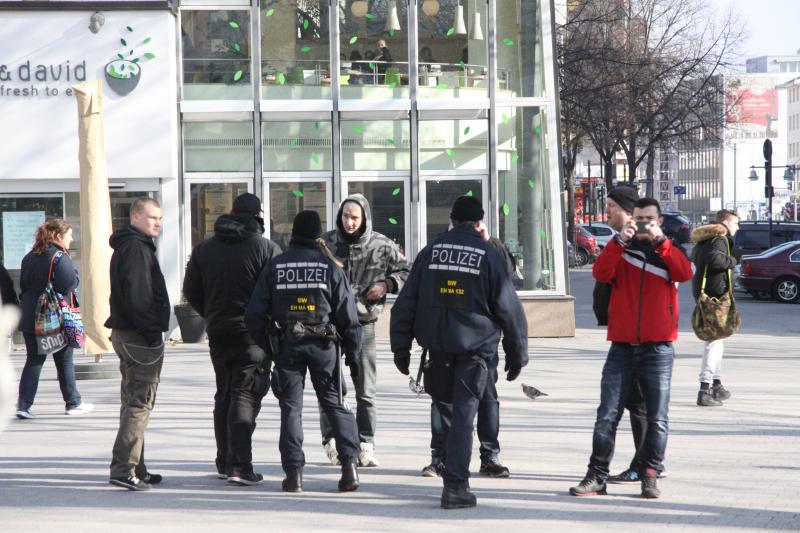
(300, 309)
(456, 301)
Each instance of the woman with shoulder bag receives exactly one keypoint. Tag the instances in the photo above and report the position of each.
(48, 261)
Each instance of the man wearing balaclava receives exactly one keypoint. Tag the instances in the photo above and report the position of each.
(375, 267)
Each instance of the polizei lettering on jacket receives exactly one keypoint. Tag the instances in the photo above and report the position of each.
(303, 275)
(458, 258)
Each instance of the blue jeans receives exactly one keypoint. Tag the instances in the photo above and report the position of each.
(651, 366)
(29, 381)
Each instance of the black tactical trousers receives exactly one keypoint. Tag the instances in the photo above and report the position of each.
(242, 375)
(488, 420)
(288, 382)
(460, 380)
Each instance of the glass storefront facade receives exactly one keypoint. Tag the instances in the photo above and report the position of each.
(408, 103)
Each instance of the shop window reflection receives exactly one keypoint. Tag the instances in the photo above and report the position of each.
(387, 204)
(208, 202)
(439, 198)
(286, 199)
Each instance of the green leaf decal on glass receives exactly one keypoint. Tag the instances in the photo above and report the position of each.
(451, 31)
(542, 233)
(237, 47)
(136, 60)
(392, 221)
(469, 193)
(122, 67)
(305, 49)
(396, 191)
(148, 55)
(316, 125)
(280, 78)
(120, 56)
(269, 12)
(305, 24)
(315, 158)
(130, 53)
(537, 130)
(237, 76)
(506, 209)
(358, 130)
(390, 141)
(129, 28)
(293, 142)
(391, 33)
(233, 24)
(353, 39)
(505, 118)
(462, 64)
(369, 16)
(530, 184)
(373, 66)
(441, 86)
(466, 130)
(124, 42)
(392, 85)
(508, 42)
(450, 152)
(297, 194)
(147, 40)
(515, 158)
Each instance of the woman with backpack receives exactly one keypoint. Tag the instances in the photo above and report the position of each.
(48, 260)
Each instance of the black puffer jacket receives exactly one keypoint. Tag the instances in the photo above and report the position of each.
(139, 299)
(711, 250)
(223, 272)
(33, 281)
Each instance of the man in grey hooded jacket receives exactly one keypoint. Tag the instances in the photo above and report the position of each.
(375, 267)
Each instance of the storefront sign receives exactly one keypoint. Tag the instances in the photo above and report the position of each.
(44, 53)
(19, 231)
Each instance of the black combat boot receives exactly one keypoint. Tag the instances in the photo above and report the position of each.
(349, 481)
(458, 498)
(293, 481)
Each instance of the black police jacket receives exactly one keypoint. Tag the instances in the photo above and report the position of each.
(222, 273)
(139, 299)
(458, 298)
(302, 285)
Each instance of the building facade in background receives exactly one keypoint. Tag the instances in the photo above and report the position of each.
(302, 102)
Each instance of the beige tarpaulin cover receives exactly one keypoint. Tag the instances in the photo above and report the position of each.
(95, 217)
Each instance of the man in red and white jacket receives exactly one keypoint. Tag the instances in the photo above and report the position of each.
(643, 266)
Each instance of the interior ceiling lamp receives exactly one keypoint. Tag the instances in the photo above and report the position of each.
(392, 20)
(359, 8)
(476, 32)
(753, 175)
(458, 23)
(430, 7)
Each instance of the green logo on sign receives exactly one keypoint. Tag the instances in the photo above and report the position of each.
(124, 72)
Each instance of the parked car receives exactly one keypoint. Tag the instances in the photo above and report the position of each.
(753, 237)
(776, 271)
(601, 231)
(586, 249)
(677, 227)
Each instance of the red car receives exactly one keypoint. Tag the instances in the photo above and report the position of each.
(775, 272)
(586, 249)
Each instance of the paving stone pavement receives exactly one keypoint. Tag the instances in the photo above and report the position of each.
(732, 468)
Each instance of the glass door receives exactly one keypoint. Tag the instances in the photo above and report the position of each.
(207, 201)
(389, 199)
(437, 195)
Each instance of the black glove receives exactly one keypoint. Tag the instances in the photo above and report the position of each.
(402, 360)
(513, 372)
(352, 364)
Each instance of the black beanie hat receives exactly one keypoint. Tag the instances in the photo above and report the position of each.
(307, 225)
(246, 204)
(466, 208)
(625, 196)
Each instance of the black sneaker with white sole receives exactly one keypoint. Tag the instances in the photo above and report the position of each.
(130, 483)
(247, 479)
